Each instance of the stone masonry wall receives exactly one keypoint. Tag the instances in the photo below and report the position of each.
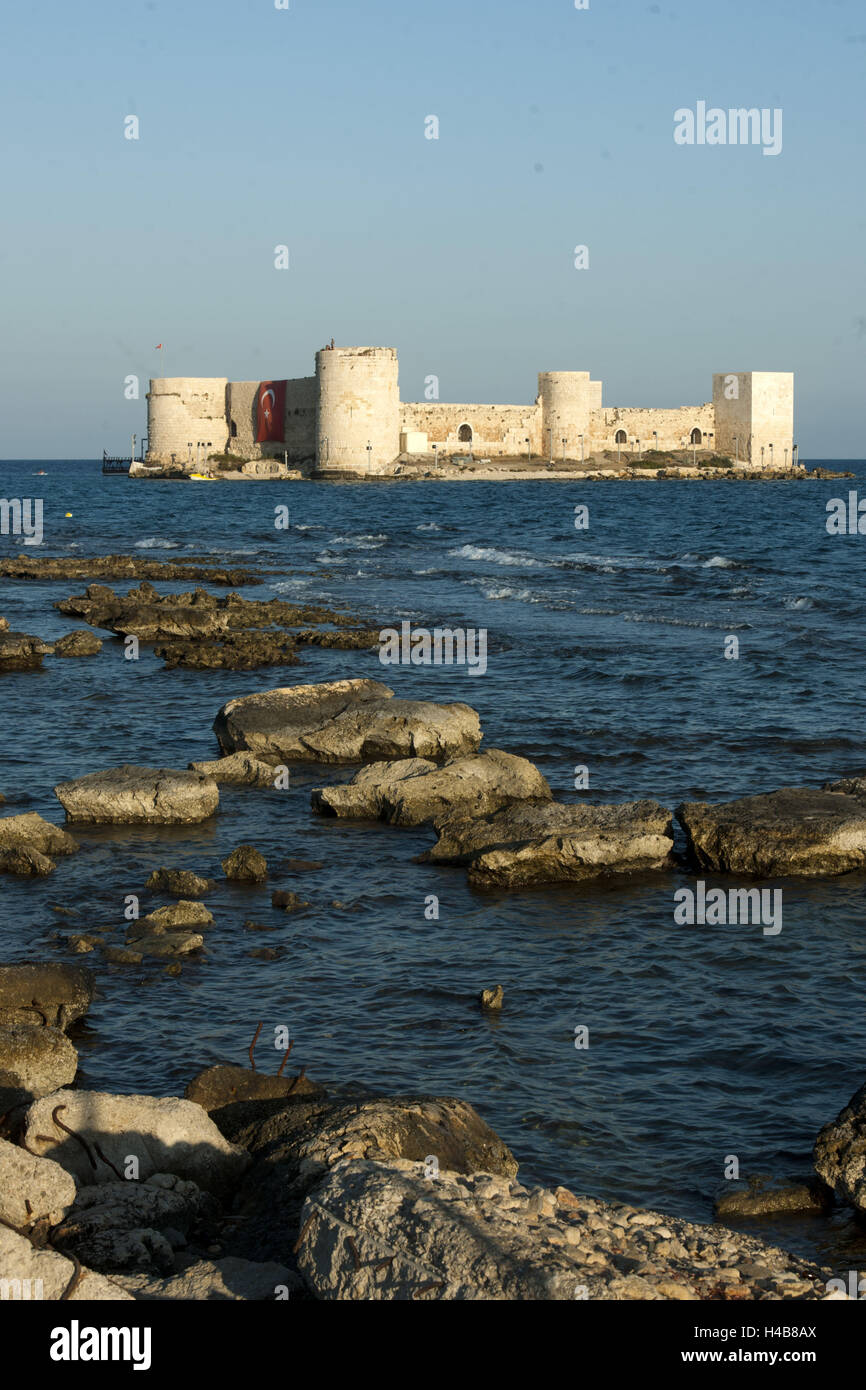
(497, 430)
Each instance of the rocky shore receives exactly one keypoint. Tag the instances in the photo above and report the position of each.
(260, 1187)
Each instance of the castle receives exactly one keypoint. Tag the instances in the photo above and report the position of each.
(348, 419)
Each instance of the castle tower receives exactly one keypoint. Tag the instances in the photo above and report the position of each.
(186, 417)
(567, 402)
(754, 414)
(358, 425)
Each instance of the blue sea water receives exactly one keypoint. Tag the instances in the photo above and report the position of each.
(605, 650)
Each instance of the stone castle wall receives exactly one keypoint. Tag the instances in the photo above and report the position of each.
(497, 431)
(673, 427)
(186, 417)
(755, 411)
(299, 425)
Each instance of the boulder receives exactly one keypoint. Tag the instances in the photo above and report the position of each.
(343, 722)
(30, 832)
(235, 651)
(807, 1196)
(840, 1152)
(295, 1141)
(21, 652)
(139, 796)
(34, 1061)
(144, 941)
(795, 831)
(78, 643)
(48, 994)
(131, 1225)
(245, 865)
(174, 915)
(238, 769)
(531, 843)
(224, 1084)
(32, 1189)
(287, 900)
(226, 1279)
(491, 998)
(854, 785)
(372, 1230)
(166, 1135)
(29, 863)
(180, 883)
(416, 790)
(28, 1273)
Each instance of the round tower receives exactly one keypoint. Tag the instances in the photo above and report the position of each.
(567, 402)
(358, 424)
(186, 417)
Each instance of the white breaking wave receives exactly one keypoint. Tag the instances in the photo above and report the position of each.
(497, 557)
(428, 526)
(157, 543)
(719, 562)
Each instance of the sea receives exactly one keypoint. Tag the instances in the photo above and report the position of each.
(611, 665)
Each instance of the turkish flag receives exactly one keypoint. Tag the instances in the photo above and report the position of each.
(270, 412)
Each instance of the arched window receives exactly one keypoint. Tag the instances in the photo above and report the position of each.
(696, 437)
(621, 437)
(464, 434)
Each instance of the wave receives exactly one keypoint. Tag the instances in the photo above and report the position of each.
(798, 603)
(498, 557)
(157, 543)
(428, 526)
(719, 562)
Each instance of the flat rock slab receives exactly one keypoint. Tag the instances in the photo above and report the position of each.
(414, 790)
(43, 1274)
(237, 769)
(794, 831)
(48, 994)
(528, 844)
(78, 643)
(32, 1188)
(344, 722)
(139, 796)
(165, 1135)
(30, 832)
(385, 1231)
(840, 1152)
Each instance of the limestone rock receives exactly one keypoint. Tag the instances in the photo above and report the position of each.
(238, 769)
(287, 900)
(78, 643)
(130, 1225)
(840, 1152)
(144, 941)
(27, 1273)
(806, 1195)
(29, 863)
(32, 1188)
(21, 652)
(246, 865)
(48, 994)
(415, 790)
(795, 831)
(854, 785)
(344, 722)
(226, 1279)
(139, 795)
(180, 883)
(30, 831)
(174, 915)
(224, 1084)
(34, 1061)
(386, 1231)
(492, 998)
(528, 843)
(166, 1135)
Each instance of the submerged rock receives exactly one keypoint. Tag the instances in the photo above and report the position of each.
(526, 843)
(415, 790)
(236, 651)
(165, 1135)
(343, 722)
(26, 862)
(287, 901)
(50, 994)
(139, 796)
(30, 831)
(179, 914)
(840, 1152)
(797, 830)
(147, 941)
(181, 883)
(806, 1196)
(492, 998)
(245, 865)
(78, 643)
(386, 1230)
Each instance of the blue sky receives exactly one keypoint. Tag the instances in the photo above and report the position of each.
(305, 127)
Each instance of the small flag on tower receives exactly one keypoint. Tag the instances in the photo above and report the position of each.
(158, 346)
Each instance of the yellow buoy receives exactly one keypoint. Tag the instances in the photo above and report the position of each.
(68, 513)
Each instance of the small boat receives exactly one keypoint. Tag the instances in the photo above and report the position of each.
(202, 478)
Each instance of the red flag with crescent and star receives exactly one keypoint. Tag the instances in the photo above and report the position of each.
(270, 412)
